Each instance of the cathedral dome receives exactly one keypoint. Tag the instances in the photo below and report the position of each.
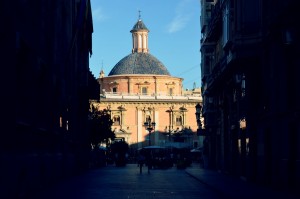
(139, 63)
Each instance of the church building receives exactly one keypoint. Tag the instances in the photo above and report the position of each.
(148, 106)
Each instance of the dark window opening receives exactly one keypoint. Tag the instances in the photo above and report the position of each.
(144, 91)
(116, 120)
(178, 120)
(170, 91)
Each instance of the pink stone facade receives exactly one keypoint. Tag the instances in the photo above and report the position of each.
(149, 91)
(130, 108)
(134, 84)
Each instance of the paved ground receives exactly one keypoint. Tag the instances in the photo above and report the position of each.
(127, 182)
(235, 188)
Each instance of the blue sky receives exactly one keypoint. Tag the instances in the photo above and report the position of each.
(174, 36)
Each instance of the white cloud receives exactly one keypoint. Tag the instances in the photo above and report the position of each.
(98, 14)
(182, 16)
(178, 23)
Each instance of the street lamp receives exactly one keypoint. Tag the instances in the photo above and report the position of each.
(150, 126)
(168, 132)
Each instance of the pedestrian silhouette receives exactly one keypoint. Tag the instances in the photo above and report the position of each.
(141, 160)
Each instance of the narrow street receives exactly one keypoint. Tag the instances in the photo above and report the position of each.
(126, 182)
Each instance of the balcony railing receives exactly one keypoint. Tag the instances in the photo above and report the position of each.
(117, 95)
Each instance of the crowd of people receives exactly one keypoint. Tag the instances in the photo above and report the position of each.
(148, 158)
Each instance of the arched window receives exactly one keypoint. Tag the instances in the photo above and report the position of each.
(140, 41)
(116, 120)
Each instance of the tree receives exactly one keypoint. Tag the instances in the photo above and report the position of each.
(119, 149)
(100, 126)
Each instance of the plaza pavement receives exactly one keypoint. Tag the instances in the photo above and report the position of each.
(234, 187)
(112, 182)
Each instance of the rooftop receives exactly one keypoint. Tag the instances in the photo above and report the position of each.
(139, 63)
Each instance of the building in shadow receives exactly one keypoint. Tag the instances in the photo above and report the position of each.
(249, 53)
(48, 45)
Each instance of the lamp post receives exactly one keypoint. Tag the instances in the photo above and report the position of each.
(168, 132)
(150, 126)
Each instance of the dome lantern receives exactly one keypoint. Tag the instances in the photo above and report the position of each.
(139, 37)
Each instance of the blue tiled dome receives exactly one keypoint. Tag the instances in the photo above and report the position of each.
(139, 63)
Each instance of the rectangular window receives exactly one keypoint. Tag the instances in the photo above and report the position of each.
(178, 121)
(144, 90)
(207, 60)
(225, 26)
(114, 89)
(170, 91)
(60, 122)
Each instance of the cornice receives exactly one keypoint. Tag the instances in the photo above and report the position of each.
(150, 104)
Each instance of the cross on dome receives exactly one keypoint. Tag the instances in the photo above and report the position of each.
(139, 15)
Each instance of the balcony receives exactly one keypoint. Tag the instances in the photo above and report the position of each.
(214, 27)
(218, 72)
(133, 96)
